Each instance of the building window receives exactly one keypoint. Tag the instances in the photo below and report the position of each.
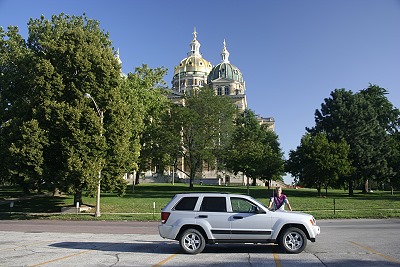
(227, 91)
(219, 91)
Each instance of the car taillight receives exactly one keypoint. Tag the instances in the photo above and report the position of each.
(164, 216)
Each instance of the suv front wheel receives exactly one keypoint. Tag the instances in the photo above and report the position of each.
(192, 241)
(293, 240)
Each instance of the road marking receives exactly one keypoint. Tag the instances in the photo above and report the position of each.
(277, 260)
(376, 253)
(71, 255)
(164, 261)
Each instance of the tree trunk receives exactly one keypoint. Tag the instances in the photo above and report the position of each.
(366, 186)
(268, 183)
(191, 183)
(136, 181)
(351, 187)
(25, 188)
(192, 176)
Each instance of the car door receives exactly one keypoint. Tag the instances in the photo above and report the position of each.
(213, 210)
(249, 221)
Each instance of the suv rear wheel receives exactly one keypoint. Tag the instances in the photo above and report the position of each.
(293, 240)
(192, 241)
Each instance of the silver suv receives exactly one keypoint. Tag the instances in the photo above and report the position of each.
(197, 219)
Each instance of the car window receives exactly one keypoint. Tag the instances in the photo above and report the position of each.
(213, 204)
(186, 203)
(242, 205)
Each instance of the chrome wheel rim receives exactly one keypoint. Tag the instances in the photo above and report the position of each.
(293, 241)
(192, 241)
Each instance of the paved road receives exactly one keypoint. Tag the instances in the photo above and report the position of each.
(342, 243)
(104, 227)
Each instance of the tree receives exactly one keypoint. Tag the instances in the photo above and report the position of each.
(318, 162)
(389, 119)
(254, 150)
(27, 151)
(394, 180)
(387, 115)
(15, 64)
(245, 150)
(143, 91)
(353, 118)
(44, 80)
(205, 123)
(271, 166)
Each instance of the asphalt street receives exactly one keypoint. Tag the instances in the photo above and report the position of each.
(101, 243)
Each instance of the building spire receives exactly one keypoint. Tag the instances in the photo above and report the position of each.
(194, 45)
(118, 58)
(194, 34)
(225, 54)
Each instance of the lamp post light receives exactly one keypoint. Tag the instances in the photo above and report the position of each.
(101, 115)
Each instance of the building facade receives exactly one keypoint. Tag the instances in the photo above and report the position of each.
(194, 72)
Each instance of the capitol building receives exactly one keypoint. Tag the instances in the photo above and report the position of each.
(194, 72)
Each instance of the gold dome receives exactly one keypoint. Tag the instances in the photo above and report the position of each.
(194, 64)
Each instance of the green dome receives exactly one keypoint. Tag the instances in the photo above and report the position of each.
(227, 71)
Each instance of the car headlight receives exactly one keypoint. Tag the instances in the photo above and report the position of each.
(313, 221)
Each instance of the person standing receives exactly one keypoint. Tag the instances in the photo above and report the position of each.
(279, 201)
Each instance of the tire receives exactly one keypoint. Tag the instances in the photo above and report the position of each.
(293, 240)
(192, 241)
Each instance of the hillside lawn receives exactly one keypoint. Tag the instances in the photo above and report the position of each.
(145, 203)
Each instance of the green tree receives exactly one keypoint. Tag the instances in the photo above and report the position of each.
(318, 162)
(205, 123)
(254, 150)
(387, 115)
(389, 119)
(245, 150)
(44, 80)
(353, 118)
(143, 91)
(15, 65)
(27, 151)
(271, 166)
(394, 180)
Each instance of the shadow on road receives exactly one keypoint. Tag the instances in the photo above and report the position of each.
(172, 247)
(140, 246)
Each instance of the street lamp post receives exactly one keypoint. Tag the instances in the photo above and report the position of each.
(101, 115)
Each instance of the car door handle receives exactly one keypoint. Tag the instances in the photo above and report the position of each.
(237, 217)
(203, 216)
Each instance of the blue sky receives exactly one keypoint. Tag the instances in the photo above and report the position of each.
(292, 53)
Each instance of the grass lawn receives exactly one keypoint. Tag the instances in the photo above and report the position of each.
(145, 203)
